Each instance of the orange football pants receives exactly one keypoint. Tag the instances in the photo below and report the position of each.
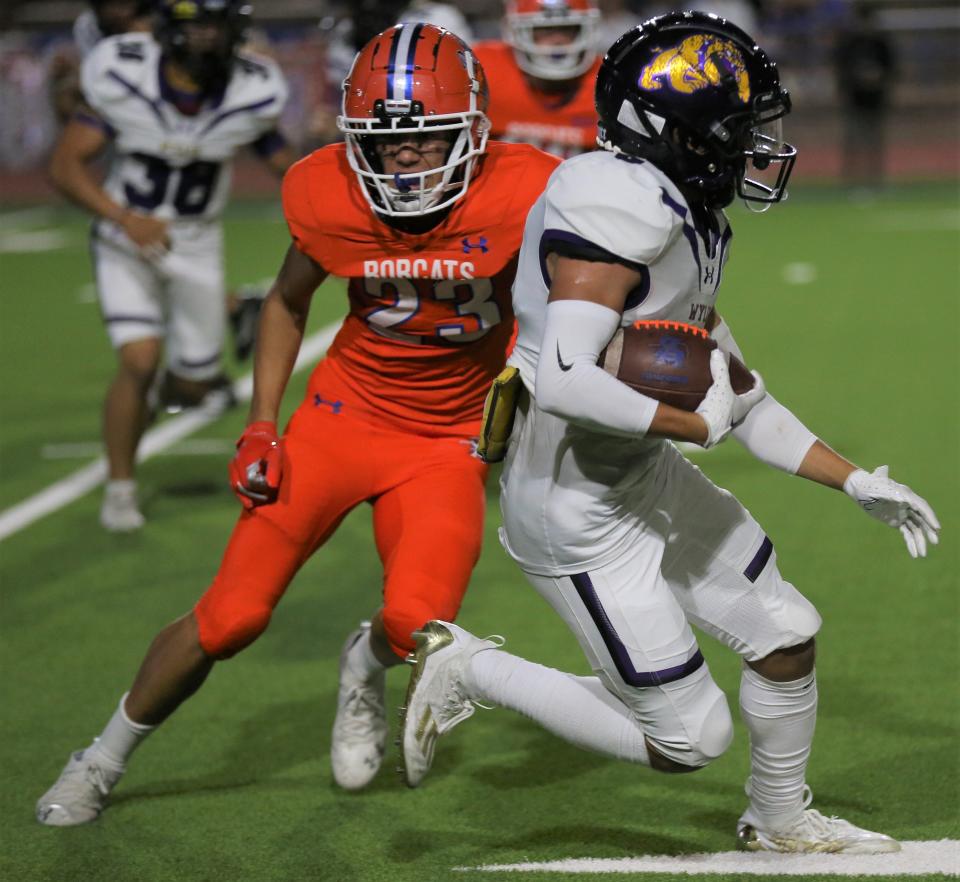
(428, 508)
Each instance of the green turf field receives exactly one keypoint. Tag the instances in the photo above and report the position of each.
(851, 312)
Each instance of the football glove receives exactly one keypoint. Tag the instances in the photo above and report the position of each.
(722, 409)
(255, 469)
(499, 412)
(896, 505)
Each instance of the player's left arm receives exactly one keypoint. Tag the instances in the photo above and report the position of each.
(773, 434)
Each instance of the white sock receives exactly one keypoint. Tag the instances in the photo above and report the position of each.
(361, 662)
(122, 487)
(120, 738)
(781, 718)
(577, 709)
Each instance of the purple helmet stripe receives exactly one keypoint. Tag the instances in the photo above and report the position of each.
(618, 652)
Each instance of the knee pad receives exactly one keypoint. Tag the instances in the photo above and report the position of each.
(226, 629)
(705, 728)
(716, 732)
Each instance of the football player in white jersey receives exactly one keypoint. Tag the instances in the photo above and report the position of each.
(176, 106)
(103, 18)
(629, 542)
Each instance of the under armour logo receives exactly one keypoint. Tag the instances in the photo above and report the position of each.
(708, 275)
(468, 246)
(320, 401)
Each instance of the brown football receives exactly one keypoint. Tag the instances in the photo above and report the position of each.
(669, 361)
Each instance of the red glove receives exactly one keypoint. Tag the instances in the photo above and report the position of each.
(256, 467)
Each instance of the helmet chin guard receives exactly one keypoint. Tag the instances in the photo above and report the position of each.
(421, 81)
(696, 96)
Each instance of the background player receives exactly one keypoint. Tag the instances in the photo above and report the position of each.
(103, 18)
(629, 542)
(428, 235)
(542, 75)
(176, 108)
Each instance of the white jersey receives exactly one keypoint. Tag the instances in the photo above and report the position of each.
(632, 210)
(572, 496)
(169, 164)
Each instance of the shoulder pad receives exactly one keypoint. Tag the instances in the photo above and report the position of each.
(256, 80)
(615, 205)
(113, 62)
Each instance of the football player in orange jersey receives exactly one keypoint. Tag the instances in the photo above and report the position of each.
(542, 75)
(425, 219)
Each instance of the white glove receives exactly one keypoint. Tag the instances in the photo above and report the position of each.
(722, 409)
(896, 505)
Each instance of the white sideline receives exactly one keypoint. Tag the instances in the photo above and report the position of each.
(82, 481)
(916, 859)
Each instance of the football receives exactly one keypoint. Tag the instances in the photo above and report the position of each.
(668, 361)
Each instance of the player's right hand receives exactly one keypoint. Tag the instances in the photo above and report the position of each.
(721, 408)
(149, 234)
(256, 467)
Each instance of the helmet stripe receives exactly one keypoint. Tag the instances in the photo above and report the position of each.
(471, 72)
(400, 64)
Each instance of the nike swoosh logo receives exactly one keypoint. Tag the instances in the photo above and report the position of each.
(563, 367)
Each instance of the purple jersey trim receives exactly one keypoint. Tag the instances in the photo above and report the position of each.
(672, 204)
(618, 652)
(154, 105)
(220, 117)
(137, 319)
(88, 119)
(203, 362)
(755, 567)
(569, 238)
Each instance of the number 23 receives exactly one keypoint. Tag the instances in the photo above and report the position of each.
(481, 307)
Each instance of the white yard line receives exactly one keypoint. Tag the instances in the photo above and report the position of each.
(916, 859)
(87, 449)
(158, 439)
(31, 241)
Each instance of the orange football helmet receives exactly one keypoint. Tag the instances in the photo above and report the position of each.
(551, 61)
(415, 78)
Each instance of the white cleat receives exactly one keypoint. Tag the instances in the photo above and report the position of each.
(79, 794)
(436, 696)
(359, 736)
(120, 512)
(812, 833)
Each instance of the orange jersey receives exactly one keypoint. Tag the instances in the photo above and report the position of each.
(519, 113)
(430, 315)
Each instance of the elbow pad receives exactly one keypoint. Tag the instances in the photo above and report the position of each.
(571, 386)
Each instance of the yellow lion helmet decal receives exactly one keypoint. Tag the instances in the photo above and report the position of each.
(699, 61)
